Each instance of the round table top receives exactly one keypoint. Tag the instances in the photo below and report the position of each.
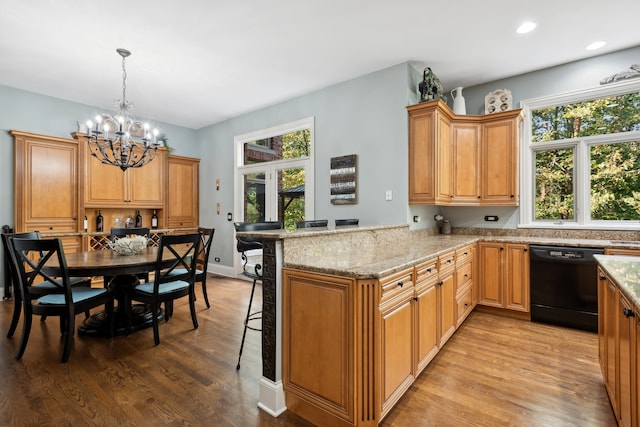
(109, 263)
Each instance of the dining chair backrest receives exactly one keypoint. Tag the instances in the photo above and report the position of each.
(8, 263)
(177, 252)
(124, 232)
(202, 260)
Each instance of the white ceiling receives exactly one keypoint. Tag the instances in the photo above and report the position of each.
(198, 62)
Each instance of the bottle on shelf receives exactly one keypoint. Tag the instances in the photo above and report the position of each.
(86, 224)
(138, 219)
(99, 222)
(154, 220)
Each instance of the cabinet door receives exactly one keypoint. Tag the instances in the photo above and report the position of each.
(499, 157)
(626, 335)
(490, 274)
(516, 277)
(422, 131)
(448, 307)
(444, 182)
(396, 338)
(182, 207)
(104, 184)
(602, 327)
(46, 183)
(146, 186)
(426, 311)
(611, 304)
(466, 151)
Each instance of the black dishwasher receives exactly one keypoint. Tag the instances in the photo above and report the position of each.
(564, 286)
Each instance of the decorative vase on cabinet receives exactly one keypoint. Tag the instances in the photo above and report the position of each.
(459, 105)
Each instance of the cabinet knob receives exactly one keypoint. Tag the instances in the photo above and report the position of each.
(440, 283)
(478, 197)
(602, 277)
(428, 270)
(512, 196)
(400, 284)
(627, 312)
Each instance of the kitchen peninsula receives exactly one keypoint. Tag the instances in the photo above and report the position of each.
(364, 310)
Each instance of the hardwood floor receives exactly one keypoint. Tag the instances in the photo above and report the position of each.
(495, 371)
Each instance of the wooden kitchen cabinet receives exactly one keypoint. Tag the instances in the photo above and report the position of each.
(183, 192)
(446, 297)
(429, 136)
(426, 313)
(462, 160)
(618, 350)
(504, 275)
(465, 164)
(464, 283)
(499, 162)
(45, 183)
(108, 186)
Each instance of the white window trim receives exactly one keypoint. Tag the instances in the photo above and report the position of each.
(527, 160)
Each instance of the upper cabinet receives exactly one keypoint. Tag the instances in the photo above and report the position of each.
(108, 186)
(183, 207)
(462, 160)
(46, 183)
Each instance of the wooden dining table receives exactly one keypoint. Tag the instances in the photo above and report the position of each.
(120, 268)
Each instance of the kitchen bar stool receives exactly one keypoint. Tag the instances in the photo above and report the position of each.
(252, 271)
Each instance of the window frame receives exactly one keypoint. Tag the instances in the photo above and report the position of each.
(582, 146)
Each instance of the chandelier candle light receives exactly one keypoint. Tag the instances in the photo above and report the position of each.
(122, 141)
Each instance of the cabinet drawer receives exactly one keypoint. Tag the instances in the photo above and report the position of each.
(464, 255)
(395, 284)
(427, 271)
(465, 304)
(446, 262)
(463, 274)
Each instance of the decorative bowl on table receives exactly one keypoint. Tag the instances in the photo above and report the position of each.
(129, 245)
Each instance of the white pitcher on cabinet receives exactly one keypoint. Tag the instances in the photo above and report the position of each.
(459, 106)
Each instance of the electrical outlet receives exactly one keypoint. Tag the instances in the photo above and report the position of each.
(218, 208)
(229, 216)
(491, 218)
(217, 259)
(388, 195)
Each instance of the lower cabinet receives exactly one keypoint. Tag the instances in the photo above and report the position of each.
(351, 348)
(618, 338)
(504, 275)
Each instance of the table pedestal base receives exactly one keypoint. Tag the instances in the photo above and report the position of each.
(98, 326)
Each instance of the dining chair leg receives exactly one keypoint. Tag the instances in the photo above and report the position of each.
(17, 309)
(70, 323)
(204, 292)
(156, 332)
(26, 330)
(192, 307)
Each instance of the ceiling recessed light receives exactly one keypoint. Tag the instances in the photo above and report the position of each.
(526, 27)
(596, 45)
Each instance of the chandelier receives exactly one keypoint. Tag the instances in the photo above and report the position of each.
(120, 140)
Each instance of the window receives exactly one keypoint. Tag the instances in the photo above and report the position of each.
(274, 179)
(581, 166)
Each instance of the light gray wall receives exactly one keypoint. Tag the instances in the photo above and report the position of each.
(365, 116)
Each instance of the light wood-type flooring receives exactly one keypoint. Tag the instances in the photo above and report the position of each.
(495, 371)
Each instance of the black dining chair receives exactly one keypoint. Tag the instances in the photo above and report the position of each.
(312, 223)
(13, 275)
(117, 233)
(206, 239)
(174, 252)
(252, 271)
(46, 289)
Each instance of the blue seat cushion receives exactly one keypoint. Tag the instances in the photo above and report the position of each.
(78, 294)
(164, 287)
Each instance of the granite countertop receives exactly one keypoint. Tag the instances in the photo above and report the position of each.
(376, 261)
(377, 251)
(624, 271)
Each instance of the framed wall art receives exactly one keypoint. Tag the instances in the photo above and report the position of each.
(344, 180)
